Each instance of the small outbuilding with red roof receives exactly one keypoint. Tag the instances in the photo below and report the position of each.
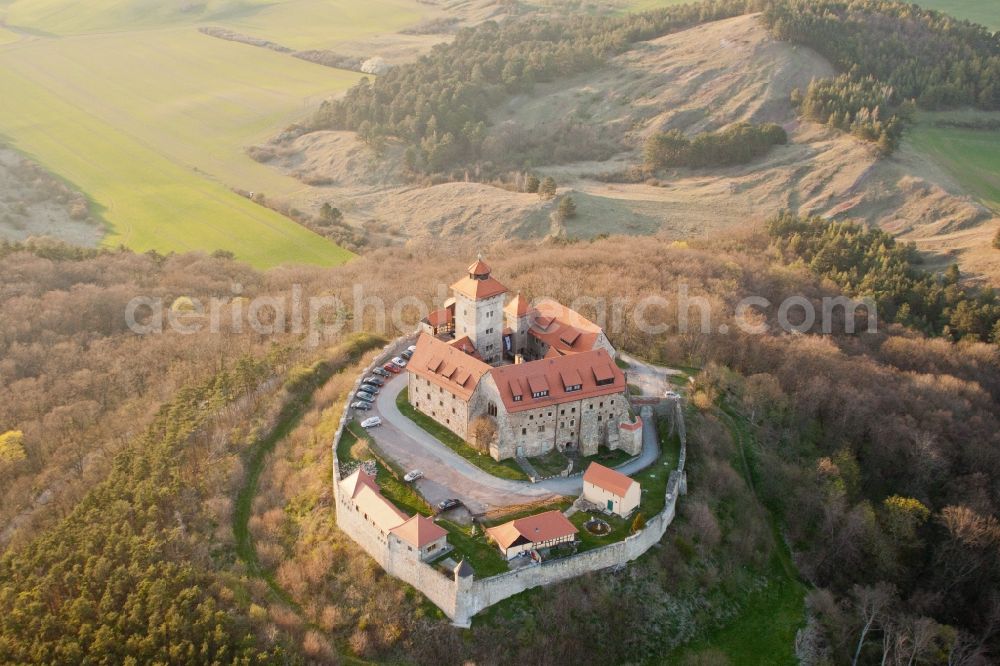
(611, 490)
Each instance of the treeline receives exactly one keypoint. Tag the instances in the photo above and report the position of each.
(739, 144)
(439, 106)
(869, 262)
(888, 52)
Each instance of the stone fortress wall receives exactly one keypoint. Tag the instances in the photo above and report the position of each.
(461, 597)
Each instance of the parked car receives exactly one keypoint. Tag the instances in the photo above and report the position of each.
(374, 381)
(449, 504)
(365, 393)
(672, 395)
(411, 348)
(367, 397)
(393, 368)
(361, 406)
(381, 371)
(413, 476)
(368, 388)
(401, 362)
(406, 354)
(373, 422)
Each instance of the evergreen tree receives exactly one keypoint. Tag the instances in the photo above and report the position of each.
(531, 184)
(547, 188)
(567, 208)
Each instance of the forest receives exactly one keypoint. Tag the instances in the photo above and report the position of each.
(889, 53)
(737, 144)
(869, 262)
(875, 454)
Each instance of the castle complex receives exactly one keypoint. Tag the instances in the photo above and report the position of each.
(520, 379)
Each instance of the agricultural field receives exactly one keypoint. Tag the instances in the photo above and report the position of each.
(86, 96)
(986, 12)
(970, 156)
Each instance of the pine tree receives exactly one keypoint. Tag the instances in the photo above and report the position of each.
(547, 188)
(531, 184)
(567, 208)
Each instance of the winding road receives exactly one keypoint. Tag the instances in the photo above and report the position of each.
(447, 474)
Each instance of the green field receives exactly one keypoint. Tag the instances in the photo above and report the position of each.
(298, 24)
(985, 12)
(970, 156)
(150, 118)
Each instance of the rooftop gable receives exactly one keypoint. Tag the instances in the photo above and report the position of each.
(610, 480)
(446, 366)
(419, 531)
(541, 527)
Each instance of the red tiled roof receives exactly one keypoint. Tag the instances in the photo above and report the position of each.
(564, 330)
(547, 526)
(518, 306)
(352, 485)
(419, 531)
(479, 289)
(479, 267)
(440, 317)
(633, 426)
(614, 482)
(365, 493)
(548, 372)
(446, 366)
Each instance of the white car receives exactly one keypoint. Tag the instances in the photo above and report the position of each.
(672, 395)
(413, 476)
(411, 348)
(372, 422)
(400, 361)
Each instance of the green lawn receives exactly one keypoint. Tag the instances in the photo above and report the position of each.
(654, 478)
(484, 557)
(970, 156)
(551, 464)
(505, 469)
(604, 456)
(620, 528)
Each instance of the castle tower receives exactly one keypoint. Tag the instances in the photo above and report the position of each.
(517, 316)
(479, 310)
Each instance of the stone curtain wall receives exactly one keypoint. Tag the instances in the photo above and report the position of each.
(461, 600)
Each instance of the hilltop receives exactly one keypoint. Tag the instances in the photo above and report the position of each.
(701, 79)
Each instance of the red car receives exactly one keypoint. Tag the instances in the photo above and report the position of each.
(393, 368)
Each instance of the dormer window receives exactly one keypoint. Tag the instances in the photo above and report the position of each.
(540, 394)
